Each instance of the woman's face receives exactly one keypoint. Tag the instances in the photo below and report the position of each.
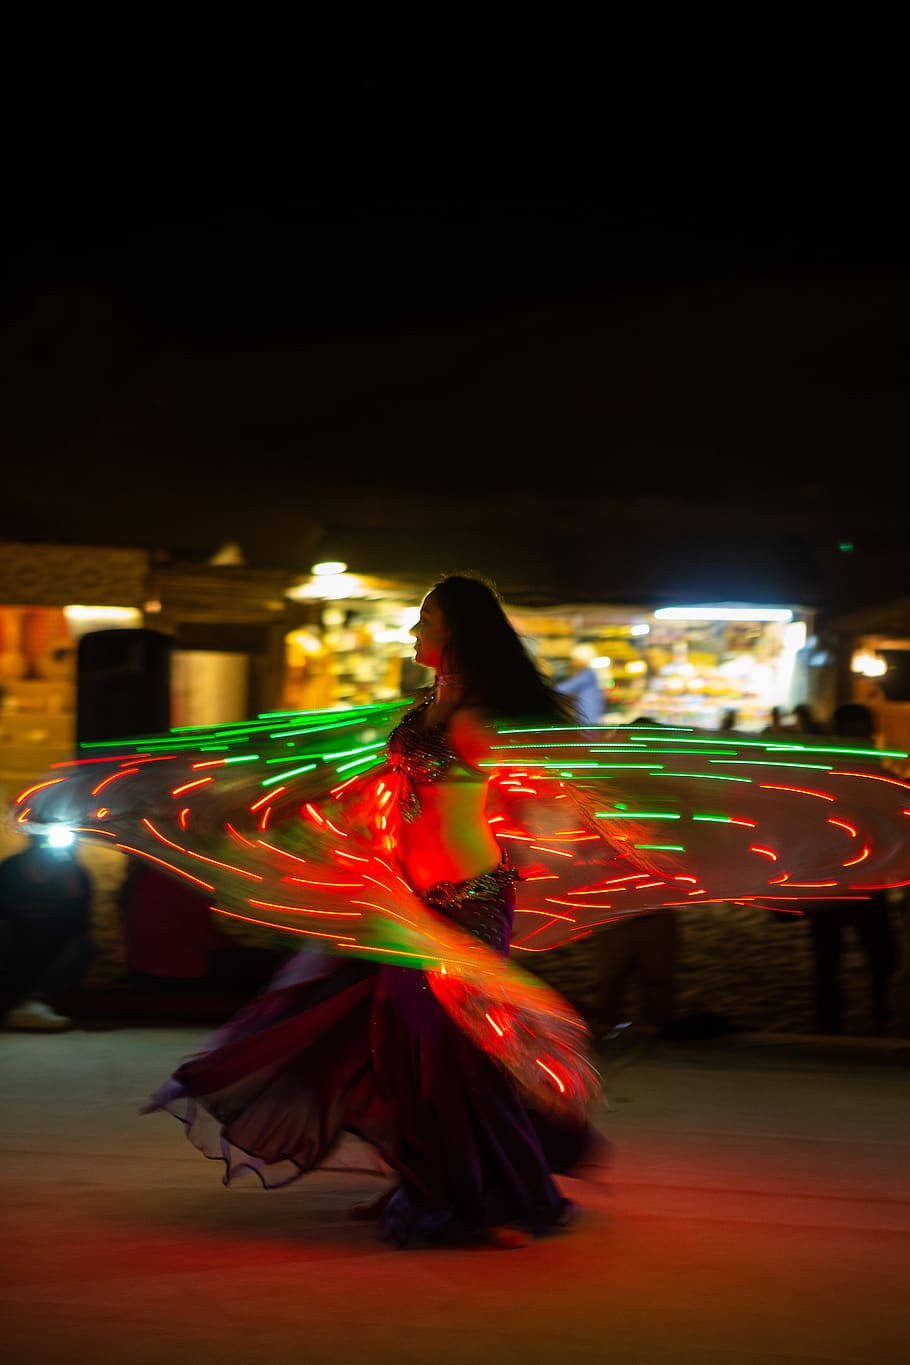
(432, 635)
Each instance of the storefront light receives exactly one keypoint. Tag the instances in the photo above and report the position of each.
(641, 629)
(82, 619)
(330, 583)
(636, 666)
(601, 661)
(782, 614)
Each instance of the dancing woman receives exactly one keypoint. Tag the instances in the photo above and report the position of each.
(370, 1050)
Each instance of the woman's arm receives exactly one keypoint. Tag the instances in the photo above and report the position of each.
(471, 735)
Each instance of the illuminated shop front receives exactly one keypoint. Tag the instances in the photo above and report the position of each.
(678, 665)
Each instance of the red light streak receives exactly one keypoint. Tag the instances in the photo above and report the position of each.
(188, 786)
(237, 835)
(263, 799)
(335, 830)
(343, 942)
(747, 824)
(562, 1088)
(695, 893)
(338, 886)
(548, 877)
(685, 879)
(112, 758)
(813, 885)
(158, 835)
(556, 851)
(102, 812)
(778, 881)
(189, 853)
(300, 910)
(211, 763)
(646, 886)
(313, 813)
(265, 818)
(768, 852)
(861, 859)
(353, 856)
(106, 781)
(88, 829)
(38, 787)
(844, 825)
(872, 777)
(802, 791)
(273, 848)
(126, 848)
(183, 817)
(23, 815)
(873, 886)
(493, 1025)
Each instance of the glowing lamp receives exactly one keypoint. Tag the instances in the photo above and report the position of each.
(868, 664)
(60, 837)
(328, 568)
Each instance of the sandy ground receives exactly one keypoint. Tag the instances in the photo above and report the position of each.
(757, 1209)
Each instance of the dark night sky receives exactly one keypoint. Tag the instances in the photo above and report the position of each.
(617, 351)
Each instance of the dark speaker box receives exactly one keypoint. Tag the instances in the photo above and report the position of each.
(123, 687)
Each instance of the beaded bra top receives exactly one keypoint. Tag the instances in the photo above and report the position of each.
(419, 755)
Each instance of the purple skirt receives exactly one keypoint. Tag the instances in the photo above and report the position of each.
(336, 1047)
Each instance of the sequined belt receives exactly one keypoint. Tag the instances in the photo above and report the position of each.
(449, 896)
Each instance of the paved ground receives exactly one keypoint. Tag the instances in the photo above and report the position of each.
(758, 1210)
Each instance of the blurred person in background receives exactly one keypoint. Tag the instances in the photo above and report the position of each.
(45, 930)
(870, 921)
(582, 687)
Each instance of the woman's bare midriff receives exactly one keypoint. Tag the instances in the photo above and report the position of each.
(450, 841)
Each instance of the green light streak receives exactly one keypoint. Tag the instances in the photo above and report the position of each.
(715, 819)
(828, 749)
(346, 753)
(358, 761)
(243, 758)
(315, 729)
(770, 763)
(332, 711)
(668, 848)
(293, 772)
(707, 777)
(565, 729)
(636, 815)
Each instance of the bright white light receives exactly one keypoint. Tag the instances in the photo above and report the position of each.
(328, 566)
(61, 837)
(724, 614)
(639, 630)
(636, 666)
(870, 665)
(327, 587)
(81, 619)
(601, 661)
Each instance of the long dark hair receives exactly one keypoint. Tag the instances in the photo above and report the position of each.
(498, 673)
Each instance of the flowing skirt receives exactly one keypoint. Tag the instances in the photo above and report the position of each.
(336, 1047)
